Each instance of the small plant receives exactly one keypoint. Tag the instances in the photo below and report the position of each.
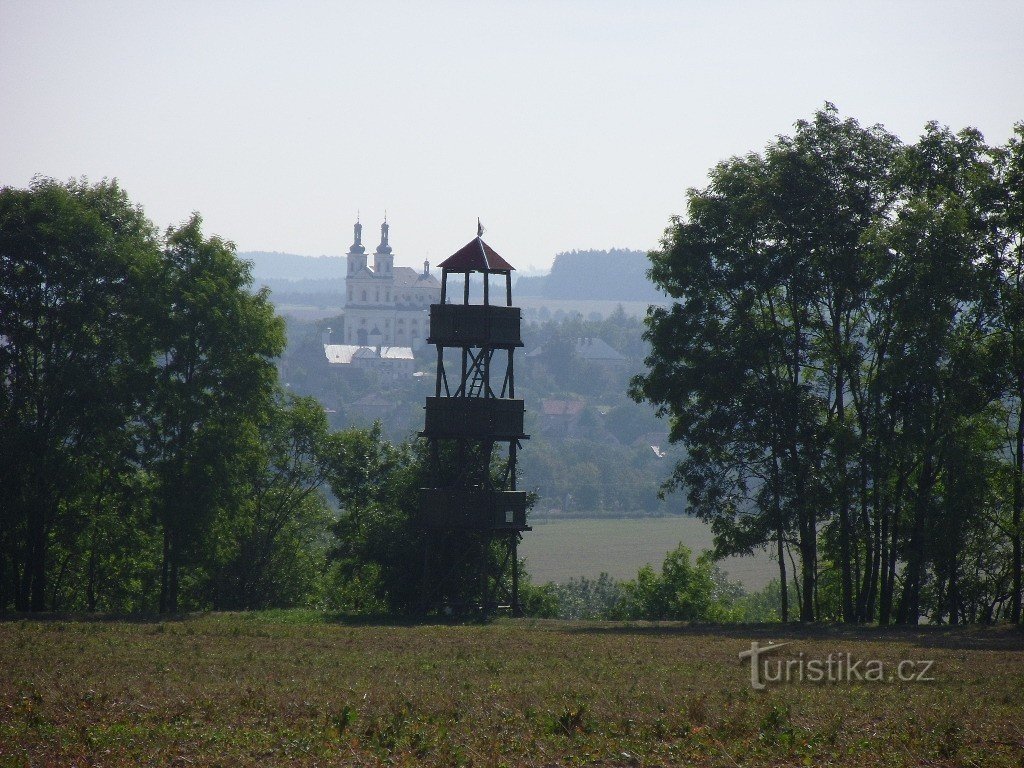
(571, 720)
(776, 726)
(340, 721)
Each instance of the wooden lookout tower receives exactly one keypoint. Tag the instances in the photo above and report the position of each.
(472, 419)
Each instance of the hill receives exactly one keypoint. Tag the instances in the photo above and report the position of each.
(271, 265)
(618, 274)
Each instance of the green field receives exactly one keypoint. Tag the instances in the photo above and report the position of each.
(290, 688)
(559, 550)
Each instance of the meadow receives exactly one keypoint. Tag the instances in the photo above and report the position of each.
(295, 688)
(559, 550)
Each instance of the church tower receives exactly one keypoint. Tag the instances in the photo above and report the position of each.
(357, 252)
(383, 259)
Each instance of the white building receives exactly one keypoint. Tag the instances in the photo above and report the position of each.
(386, 306)
(386, 362)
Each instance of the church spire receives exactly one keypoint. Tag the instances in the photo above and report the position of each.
(383, 260)
(384, 247)
(357, 243)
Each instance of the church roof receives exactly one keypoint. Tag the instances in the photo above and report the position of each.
(362, 272)
(409, 277)
(476, 256)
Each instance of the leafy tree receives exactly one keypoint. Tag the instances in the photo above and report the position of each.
(379, 543)
(842, 303)
(729, 363)
(75, 302)
(275, 536)
(214, 382)
(684, 590)
(1010, 207)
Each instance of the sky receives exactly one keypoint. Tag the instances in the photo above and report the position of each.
(561, 125)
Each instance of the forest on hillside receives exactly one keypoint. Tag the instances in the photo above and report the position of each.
(618, 274)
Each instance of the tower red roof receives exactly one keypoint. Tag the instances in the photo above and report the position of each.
(476, 256)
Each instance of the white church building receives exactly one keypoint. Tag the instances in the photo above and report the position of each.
(387, 311)
(386, 306)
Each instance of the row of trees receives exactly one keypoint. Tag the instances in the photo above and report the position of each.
(146, 451)
(844, 364)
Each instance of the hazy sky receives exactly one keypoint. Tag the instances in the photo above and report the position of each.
(560, 124)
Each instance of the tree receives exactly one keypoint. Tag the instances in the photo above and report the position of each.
(836, 335)
(275, 532)
(684, 590)
(1010, 168)
(214, 382)
(379, 543)
(75, 301)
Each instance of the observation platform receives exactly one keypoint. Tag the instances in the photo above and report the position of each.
(474, 418)
(477, 325)
(475, 508)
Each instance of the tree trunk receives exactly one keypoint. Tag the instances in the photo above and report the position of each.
(37, 561)
(90, 585)
(165, 566)
(910, 601)
(808, 560)
(865, 596)
(780, 534)
(172, 597)
(783, 584)
(22, 585)
(844, 504)
(1018, 502)
(953, 596)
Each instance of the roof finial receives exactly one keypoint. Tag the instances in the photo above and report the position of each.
(479, 228)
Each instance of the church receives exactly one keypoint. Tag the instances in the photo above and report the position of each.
(386, 306)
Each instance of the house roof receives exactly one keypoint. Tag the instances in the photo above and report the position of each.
(587, 349)
(476, 256)
(562, 407)
(396, 353)
(344, 354)
(596, 349)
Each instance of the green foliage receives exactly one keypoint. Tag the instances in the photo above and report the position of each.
(379, 545)
(835, 355)
(684, 590)
(542, 601)
(275, 551)
(577, 599)
(763, 606)
(144, 455)
(76, 266)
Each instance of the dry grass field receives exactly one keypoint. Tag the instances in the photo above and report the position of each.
(291, 688)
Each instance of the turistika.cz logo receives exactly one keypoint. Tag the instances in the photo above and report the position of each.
(834, 668)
